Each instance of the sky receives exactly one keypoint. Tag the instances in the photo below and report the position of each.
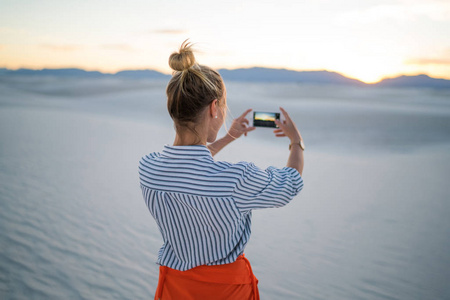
(367, 40)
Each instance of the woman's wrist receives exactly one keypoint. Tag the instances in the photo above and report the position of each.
(229, 138)
(296, 139)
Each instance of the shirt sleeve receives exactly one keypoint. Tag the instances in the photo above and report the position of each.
(272, 187)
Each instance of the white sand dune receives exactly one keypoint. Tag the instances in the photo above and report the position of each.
(371, 223)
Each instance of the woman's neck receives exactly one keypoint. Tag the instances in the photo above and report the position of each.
(187, 138)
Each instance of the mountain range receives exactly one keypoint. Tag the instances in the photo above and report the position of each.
(256, 74)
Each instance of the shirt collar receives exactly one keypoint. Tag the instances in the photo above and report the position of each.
(187, 152)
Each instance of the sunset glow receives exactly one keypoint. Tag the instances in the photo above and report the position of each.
(265, 117)
(366, 41)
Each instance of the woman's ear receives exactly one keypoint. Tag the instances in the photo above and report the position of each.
(214, 108)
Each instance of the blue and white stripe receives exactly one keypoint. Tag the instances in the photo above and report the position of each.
(203, 207)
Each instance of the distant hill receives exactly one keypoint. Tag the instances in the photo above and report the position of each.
(138, 74)
(247, 75)
(80, 73)
(419, 81)
(53, 72)
(283, 75)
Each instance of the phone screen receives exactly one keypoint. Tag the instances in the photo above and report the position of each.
(265, 119)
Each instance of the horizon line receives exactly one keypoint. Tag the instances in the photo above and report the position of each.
(230, 69)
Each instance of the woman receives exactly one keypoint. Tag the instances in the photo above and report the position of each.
(203, 207)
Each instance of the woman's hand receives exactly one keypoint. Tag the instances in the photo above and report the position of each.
(240, 126)
(287, 128)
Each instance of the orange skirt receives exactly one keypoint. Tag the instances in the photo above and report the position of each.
(229, 281)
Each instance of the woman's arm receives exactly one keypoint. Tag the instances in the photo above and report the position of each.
(238, 128)
(218, 145)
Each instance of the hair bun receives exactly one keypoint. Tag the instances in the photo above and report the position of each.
(183, 59)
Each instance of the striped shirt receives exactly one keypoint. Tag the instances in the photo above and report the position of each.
(203, 207)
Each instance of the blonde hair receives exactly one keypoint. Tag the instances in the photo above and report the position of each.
(192, 88)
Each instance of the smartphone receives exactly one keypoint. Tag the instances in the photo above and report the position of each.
(265, 119)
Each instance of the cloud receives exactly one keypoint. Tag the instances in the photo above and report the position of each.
(69, 48)
(169, 31)
(428, 61)
(61, 48)
(437, 11)
(119, 47)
